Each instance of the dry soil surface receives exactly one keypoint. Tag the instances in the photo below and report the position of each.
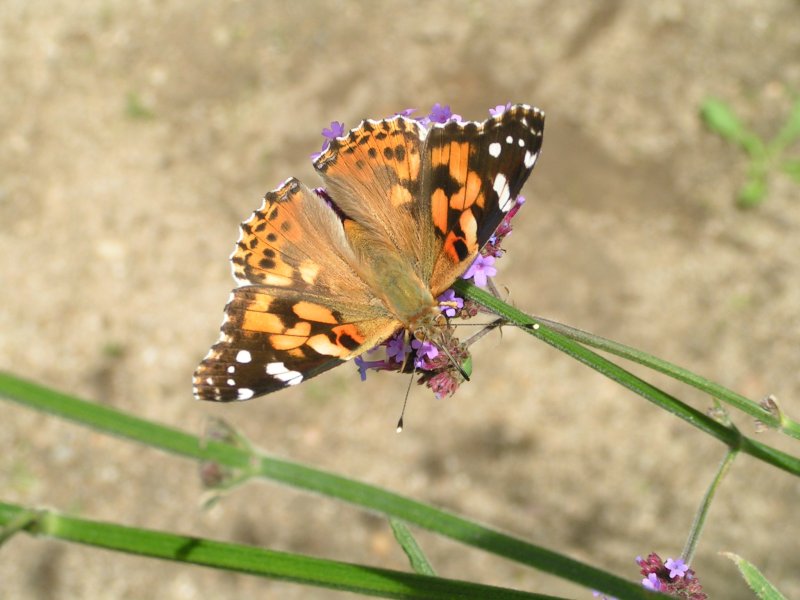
(134, 137)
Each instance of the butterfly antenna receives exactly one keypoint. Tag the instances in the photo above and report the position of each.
(405, 400)
(499, 322)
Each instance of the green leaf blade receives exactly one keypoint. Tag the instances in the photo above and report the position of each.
(760, 585)
(251, 560)
(720, 118)
(419, 562)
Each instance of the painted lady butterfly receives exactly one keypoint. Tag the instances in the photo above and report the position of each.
(325, 277)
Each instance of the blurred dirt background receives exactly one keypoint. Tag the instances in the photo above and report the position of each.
(134, 137)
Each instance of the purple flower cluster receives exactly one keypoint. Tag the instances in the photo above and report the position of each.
(672, 577)
(434, 361)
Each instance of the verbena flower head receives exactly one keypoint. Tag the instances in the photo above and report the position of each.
(442, 114)
(397, 348)
(433, 360)
(499, 109)
(480, 270)
(672, 577)
(329, 133)
(426, 352)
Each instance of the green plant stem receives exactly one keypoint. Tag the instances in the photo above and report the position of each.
(730, 436)
(20, 521)
(109, 420)
(775, 420)
(254, 561)
(705, 506)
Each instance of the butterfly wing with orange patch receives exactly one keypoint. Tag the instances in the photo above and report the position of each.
(472, 174)
(290, 319)
(374, 175)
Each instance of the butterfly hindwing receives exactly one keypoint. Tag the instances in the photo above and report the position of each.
(472, 174)
(290, 319)
(272, 338)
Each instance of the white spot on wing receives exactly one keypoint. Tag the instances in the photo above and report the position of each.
(231, 382)
(530, 159)
(209, 381)
(309, 271)
(494, 149)
(231, 369)
(500, 186)
(243, 356)
(521, 142)
(509, 139)
(245, 393)
(279, 371)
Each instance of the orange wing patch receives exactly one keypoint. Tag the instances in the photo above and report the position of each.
(374, 176)
(314, 312)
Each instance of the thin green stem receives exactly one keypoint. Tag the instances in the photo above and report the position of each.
(705, 506)
(21, 521)
(770, 418)
(732, 437)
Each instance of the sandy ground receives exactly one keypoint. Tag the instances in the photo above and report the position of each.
(135, 137)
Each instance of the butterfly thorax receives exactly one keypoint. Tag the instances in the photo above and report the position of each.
(403, 292)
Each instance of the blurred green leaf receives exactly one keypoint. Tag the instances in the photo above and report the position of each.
(753, 191)
(792, 168)
(720, 118)
(757, 582)
(790, 131)
(136, 109)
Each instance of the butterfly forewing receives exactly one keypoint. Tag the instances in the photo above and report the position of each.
(472, 174)
(373, 175)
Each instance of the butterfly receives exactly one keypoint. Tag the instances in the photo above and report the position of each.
(324, 277)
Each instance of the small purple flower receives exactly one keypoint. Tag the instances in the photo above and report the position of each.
(499, 109)
(406, 112)
(677, 568)
(449, 297)
(365, 365)
(651, 582)
(362, 367)
(480, 270)
(442, 114)
(425, 351)
(329, 133)
(334, 131)
(396, 348)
